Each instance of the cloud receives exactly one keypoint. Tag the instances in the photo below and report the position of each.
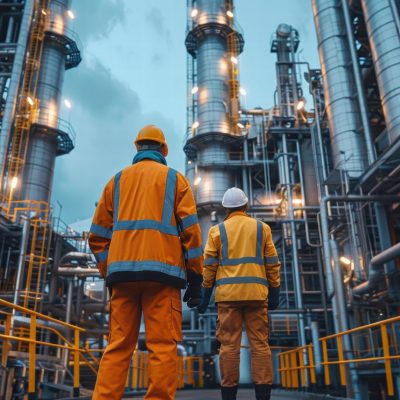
(109, 115)
(96, 19)
(155, 18)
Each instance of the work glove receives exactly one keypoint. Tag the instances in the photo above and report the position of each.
(192, 296)
(206, 294)
(273, 297)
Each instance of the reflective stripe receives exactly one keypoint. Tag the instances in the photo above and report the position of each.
(101, 231)
(189, 221)
(241, 279)
(259, 244)
(210, 261)
(271, 260)
(242, 260)
(102, 256)
(145, 224)
(195, 252)
(117, 179)
(142, 266)
(224, 240)
(169, 197)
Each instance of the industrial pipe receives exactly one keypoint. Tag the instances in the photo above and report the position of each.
(375, 270)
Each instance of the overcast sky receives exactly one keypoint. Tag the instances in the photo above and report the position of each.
(133, 73)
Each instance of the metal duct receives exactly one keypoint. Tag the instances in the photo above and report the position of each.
(40, 161)
(339, 87)
(376, 265)
(385, 49)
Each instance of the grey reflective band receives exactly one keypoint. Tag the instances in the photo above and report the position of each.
(149, 266)
(101, 231)
(271, 260)
(241, 279)
(243, 260)
(189, 221)
(210, 261)
(258, 259)
(102, 256)
(224, 240)
(117, 179)
(195, 252)
(169, 197)
(145, 224)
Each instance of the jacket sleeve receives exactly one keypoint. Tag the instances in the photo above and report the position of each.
(101, 229)
(190, 233)
(211, 261)
(271, 260)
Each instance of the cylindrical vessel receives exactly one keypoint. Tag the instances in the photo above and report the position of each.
(339, 87)
(42, 151)
(384, 41)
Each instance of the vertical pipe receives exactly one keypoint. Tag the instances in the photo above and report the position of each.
(14, 84)
(68, 316)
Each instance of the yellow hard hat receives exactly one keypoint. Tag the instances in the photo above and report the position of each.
(153, 133)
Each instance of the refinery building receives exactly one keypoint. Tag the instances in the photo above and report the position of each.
(321, 167)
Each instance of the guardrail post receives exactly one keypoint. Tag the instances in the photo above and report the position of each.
(32, 360)
(303, 371)
(388, 364)
(293, 367)
(312, 364)
(342, 369)
(288, 374)
(326, 366)
(76, 364)
(7, 330)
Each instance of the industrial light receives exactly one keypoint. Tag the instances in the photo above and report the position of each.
(345, 260)
(194, 13)
(197, 181)
(301, 104)
(298, 202)
(30, 100)
(229, 13)
(44, 12)
(14, 182)
(241, 126)
(68, 103)
(189, 162)
(234, 60)
(195, 125)
(243, 91)
(195, 89)
(71, 14)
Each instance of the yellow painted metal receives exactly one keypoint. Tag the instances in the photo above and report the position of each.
(288, 375)
(313, 376)
(342, 370)
(388, 365)
(135, 370)
(325, 358)
(76, 359)
(293, 369)
(5, 348)
(32, 356)
(303, 370)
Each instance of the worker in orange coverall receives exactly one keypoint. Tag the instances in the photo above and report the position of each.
(147, 241)
(240, 259)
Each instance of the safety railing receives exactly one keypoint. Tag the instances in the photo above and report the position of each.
(372, 343)
(36, 322)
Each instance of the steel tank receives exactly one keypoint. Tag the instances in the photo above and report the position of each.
(384, 39)
(42, 150)
(348, 148)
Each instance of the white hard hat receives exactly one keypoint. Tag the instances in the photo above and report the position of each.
(234, 197)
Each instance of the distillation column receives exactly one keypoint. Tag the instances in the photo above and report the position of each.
(48, 139)
(207, 148)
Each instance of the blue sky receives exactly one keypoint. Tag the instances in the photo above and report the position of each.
(134, 73)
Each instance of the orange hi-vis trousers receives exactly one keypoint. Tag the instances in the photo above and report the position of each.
(162, 309)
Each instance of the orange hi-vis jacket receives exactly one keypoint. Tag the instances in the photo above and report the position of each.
(145, 227)
(240, 259)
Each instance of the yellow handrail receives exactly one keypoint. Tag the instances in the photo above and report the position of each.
(292, 361)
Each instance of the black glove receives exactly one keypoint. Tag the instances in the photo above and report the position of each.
(206, 294)
(273, 297)
(192, 296)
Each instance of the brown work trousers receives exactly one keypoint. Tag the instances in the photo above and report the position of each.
(162, 309)
(231, 316)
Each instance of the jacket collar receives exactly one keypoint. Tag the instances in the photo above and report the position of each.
(236, 213)
(149, 155)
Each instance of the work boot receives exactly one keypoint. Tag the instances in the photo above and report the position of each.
(229, 393)
(263, 392)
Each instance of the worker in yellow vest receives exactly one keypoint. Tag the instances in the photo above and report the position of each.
(241, 261)
(146, 238)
